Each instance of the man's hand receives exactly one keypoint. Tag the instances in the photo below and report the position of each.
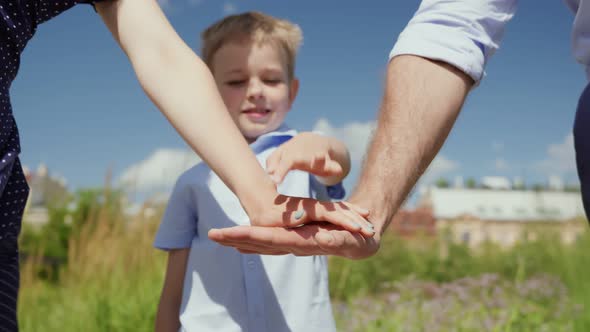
(310, 239)
(314, 238)
(421, 102)
(316, 154)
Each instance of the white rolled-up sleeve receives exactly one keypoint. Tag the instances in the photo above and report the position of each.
(463, 33)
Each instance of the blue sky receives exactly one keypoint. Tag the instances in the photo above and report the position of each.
(80, 109)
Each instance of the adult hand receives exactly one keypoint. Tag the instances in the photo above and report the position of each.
(309, 239)
(313, 238)
(287, 212)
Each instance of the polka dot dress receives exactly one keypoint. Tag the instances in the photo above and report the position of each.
(18, 24)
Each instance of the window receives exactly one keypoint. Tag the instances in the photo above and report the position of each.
(465, 237)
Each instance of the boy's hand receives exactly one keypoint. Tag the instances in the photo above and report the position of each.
(307, 152)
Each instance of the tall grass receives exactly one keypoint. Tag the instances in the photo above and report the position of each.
(112, 279)
(111, 282)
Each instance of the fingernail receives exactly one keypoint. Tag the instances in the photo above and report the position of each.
(275, 178)
(298, 214)
(370, 228)
(363, 210)
(355, 225)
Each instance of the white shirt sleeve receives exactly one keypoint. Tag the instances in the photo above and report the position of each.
(463, 33)
(179, 223)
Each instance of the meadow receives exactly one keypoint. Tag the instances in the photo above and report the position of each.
(96, 270)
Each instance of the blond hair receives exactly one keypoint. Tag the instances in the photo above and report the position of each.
(253, 27)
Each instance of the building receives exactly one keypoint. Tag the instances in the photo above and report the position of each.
(472, 216)
(411, 223)
(44, 191)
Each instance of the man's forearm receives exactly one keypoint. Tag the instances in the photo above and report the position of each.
(420, 105)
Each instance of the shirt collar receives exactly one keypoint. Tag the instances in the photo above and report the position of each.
(272, 139)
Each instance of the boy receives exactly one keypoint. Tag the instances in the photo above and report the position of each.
(209, 287)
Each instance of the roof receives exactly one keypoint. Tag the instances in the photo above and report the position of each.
(508, 205)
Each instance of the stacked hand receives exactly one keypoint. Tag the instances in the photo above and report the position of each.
(310, 239)
(308, 227)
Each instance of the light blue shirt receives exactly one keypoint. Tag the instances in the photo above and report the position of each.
(466, 33)
(227, 291)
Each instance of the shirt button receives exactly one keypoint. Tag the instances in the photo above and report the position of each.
(251, 265)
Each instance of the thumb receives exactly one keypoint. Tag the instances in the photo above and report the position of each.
(273, 160)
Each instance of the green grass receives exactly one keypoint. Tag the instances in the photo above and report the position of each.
(113, 278)
(543, 285)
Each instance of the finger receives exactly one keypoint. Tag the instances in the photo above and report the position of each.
(332, 168)
(270, 252)
(360, 210)
(299, 241)
(274, 252)
(241, 245)
(282, 168)
(273, 161)
(319, 161)
(310, 210)
(346, 244)
(367, 228)
(323, 165)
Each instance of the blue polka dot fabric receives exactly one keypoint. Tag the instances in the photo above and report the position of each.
(18, 23)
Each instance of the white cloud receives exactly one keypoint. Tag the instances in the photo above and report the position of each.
(355, 135)
(158, 172)
(229, 8)
(561, 158)
(497, 146)
(439, 167)
(501, 164)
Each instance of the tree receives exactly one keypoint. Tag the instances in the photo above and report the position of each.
(442, 183)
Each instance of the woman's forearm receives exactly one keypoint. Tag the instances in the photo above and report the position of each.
(186, 94)
(182, 87)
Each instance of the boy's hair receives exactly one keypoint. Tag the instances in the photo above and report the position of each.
(253, 27)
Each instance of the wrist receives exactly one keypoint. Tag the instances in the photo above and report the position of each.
(256, 201)
(381, 209)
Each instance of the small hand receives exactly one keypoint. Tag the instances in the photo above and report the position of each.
(307, 152)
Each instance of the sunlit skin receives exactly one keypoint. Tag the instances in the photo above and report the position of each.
(255, 86)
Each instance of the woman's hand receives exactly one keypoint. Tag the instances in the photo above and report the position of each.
(275, 210)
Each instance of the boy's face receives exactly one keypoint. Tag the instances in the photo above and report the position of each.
(254, 85)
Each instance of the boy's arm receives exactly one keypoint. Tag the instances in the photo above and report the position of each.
(339, 153)
(325, 157)
(167, 318)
